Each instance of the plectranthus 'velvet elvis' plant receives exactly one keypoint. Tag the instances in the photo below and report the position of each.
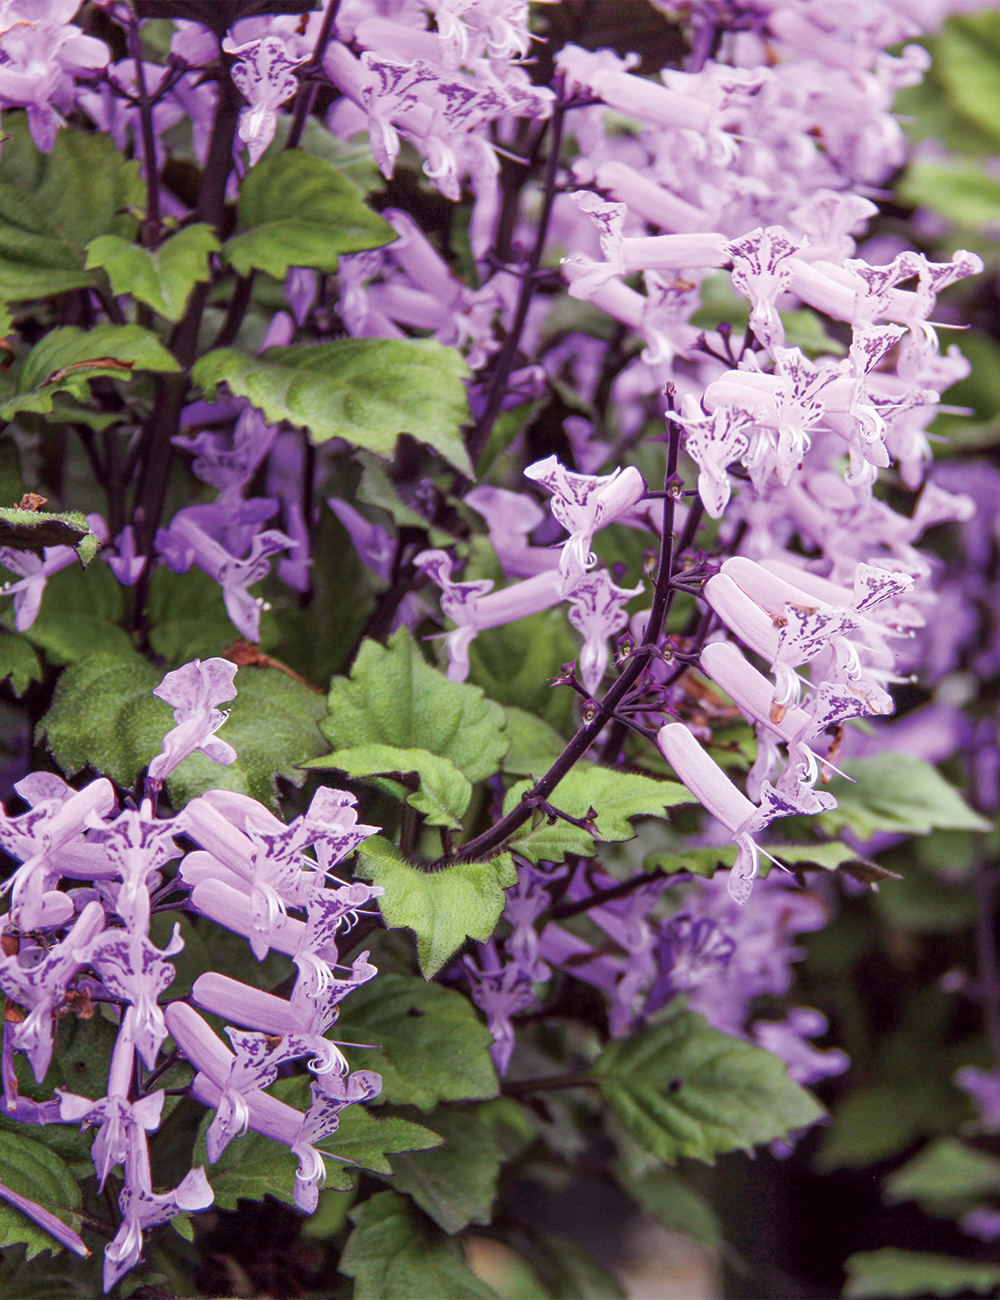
(513, 431)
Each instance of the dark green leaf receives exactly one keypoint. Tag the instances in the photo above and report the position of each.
(962, 192)
(33, 530)
(440, 907)
(396, 1253)
(18, 662)
(571, 1274)
(395, 698)
(515, 664)
(33, 1170)
(52, 205)
(250, 1168)
(967, 64)
(367, 1140)
(947, 1177)
(163, 277)
(534, 745)
(899, 793)
(455, 1183)
(273, 728)
(367, 391)
(893, 1272)
(670, 1198)
(104, 714)
(188, 616)
(443, 794)
(700, 862)
(883, 1119)
(301, 212)
(80, 616)
(67, 358)
(682, 1088)
(431, 1046)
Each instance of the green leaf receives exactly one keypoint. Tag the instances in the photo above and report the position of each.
(534, 745)
(455, 1183)
(367, 391)
(33, 530)
(18, 662)
(444, 792)
(899, 793)
(33, 1170)
(272, 725)
(367, 1140)
(616, 797)
(396, 1253)
(394, 697)
(80, 616)
(163, 277)
(52, 205)
(882, 1119)
(67, 358)
(893, 1272)
(947, 1177)
(682, 1088)
(250, 1168)
(301, 212)
(967, 63)
(104, 714)
(515, 664)
(962, 192)
(670, 1198)
(699, 862)
(440, 907)
(432, 1047)
(571, 1274)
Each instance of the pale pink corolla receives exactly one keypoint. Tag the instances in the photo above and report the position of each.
(597, 612)
(264, 75)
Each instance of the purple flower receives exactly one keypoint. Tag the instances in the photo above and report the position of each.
(786, 1038)
(194, 692)
(265, 77)
(597, 613)
(34, 572)
(689, 950)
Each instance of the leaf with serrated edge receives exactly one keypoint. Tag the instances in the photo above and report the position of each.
(163, 277)
(899, 793)
(892, 1272)
(366, 391)
(440, 907)
(682, 1088)
(394, 697)
(299, 210)
(368, 1140)
(397, 1253)
(444, 792)
(430, 1044)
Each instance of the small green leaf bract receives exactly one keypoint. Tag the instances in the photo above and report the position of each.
(682, 1088)
(432, 1046)
(163, 277)
(440, 907)
(947, 1177)
(444, 792)
(301, 211)
(894, 1272)
(35, 1171)
(367, 391)
(455, 1183)
(396, 1253)
(394, 697)
(67, 358)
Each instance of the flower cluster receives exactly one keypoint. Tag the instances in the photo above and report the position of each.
(85, 949)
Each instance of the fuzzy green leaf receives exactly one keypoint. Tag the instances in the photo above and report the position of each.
(67, 358)
(440, 907)
(394, 697)
(250, 1168)
(163, 277)
(967, 64)
(899, 793)
(455, 1183)
(962, 192)
(616, 797)
(33, 530)
(443, 794)
(534, 745)
(52, 205)
(699, 862)
(272, 725)
(19, 662)
(682, 1088)
(397, 1253)
(368, 1140)
(33, 1170)
(893, 1272)
(367, 391)
(104, 715)
(430, 1044)
(301, 211)
(670, 1198)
